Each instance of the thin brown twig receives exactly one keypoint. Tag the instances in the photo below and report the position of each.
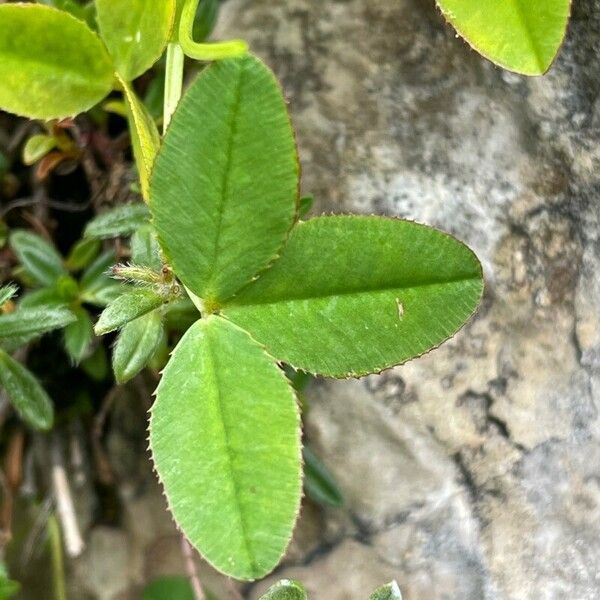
(103, 468)
(190, 567)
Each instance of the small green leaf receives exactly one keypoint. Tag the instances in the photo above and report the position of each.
(97, 287)
(25, 393)
(304, 205)
(36, 147)
(145, 138)
(39, 259)
(136, 345)
(391, 591)
(47, 296)
(353, 295)
(145, 250)
(79, 335)
(319, 482)
(126, 308)
(236, 432)
(169, 588)
(96, 365)
(82, 254)
(7, 292)
(121, 220)
(135, 32)
(523, 36)
(285, 590)
(223, 190)
(34, 321)
(51, 64)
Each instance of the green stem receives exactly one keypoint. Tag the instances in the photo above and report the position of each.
(173, 81)
(212, 51)
(56, 554)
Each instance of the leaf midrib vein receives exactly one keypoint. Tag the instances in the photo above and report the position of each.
(226, 172)
(354, 292)
(228, 452)
(521, 15)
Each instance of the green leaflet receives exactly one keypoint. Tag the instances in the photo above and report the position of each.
(25, 393)
(135, 32)
(145, 250)
(82, 254)
(127, 307)
(121, 220)
(34, 321)
(390, 591)
(145, 138)
(225, 182)
(136, 345)
(285, 590)
(225, 432)
(7, 292)
(96, 286)
(319, 482)
(36, 147)
(51, 64)
(40, 259)
(79, 335)
(521, 35)
(353, 295)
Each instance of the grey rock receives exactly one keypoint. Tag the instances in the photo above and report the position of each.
(473, 472)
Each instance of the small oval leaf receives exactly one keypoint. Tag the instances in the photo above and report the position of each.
(34, 321)
(126, 308)
(37, 146)
(97, 287)
(390, 591)
(121, 220)
(79, 335)
(285, 590)
(225, 432)
(136, 345)
(520, 36)
(25, 393)
(52, 65)
(39, 259)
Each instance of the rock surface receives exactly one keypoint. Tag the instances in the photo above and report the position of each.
(474, 472)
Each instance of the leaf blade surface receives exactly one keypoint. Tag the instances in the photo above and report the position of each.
(520, 35)
(356, 295)
(52, 65)
(235, 488)
(223, 193)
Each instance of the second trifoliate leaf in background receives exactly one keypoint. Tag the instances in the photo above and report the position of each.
(520, 35)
